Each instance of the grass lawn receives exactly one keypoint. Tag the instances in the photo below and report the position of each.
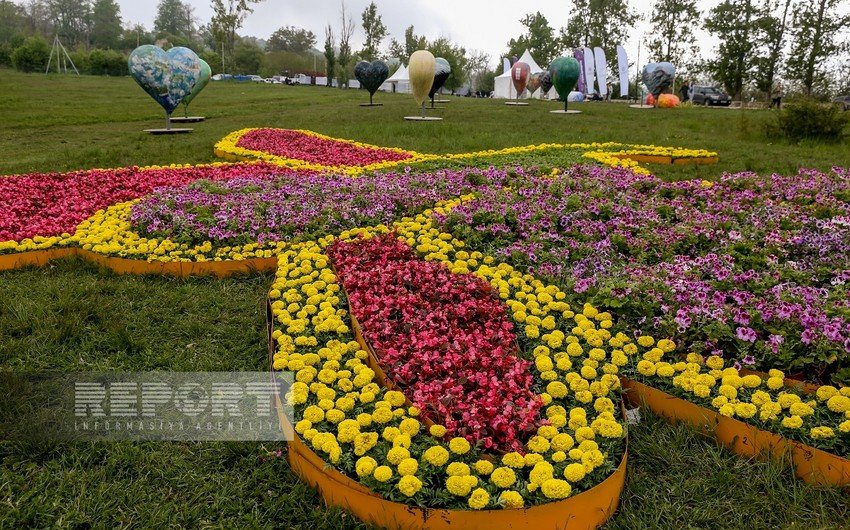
(70, 316)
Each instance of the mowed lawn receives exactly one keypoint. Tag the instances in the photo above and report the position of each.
(71, 316)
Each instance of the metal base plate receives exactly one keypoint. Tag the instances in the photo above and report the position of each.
(422, 118)
(565, 112)
(173, 130)
(371, 104)
(641, 107)
(516, 103)
(442, 100)
(187, 119)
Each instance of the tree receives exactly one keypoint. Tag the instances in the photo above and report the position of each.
(773, 34)
(604, 23)
(734, 23)
(412, 42)
(476, 66)
(456, 57)
(375, 31)
(539, 40)
(71, 20)
(247, 58)
(817, 26)
(32, 56)
(674, 39)
(344, 56)
(291, 39)
(228, 17)
(12, 20)
(106, 24)
(135, 36)
(330, 54)
(173, 17)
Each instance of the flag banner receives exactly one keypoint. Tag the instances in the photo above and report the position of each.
(623, 64)
(601, 70)
(589, 70)
(506, 65)
(578, 53)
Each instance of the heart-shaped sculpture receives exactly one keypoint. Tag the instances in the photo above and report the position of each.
(519, 76)
(442, 71)
(421, 74)
(546, 81)
(534, 82)
(565, 72)
(206, 74)
(658, 77)
(371, 75)
(167, 76)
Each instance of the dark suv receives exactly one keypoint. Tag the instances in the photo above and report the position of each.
(844, 101)
(709, 95)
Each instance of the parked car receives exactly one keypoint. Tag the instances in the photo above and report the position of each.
(844, 101)
(709, 95)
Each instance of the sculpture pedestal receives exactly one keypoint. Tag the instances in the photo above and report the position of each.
(516, 103)
(422, 118)
(641, 106)
(188, 119)
(442, 100)
(168, 131)
(371, 104)
(565, 112)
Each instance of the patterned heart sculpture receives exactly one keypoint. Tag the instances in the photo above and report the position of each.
(167, 76)
(546, 81)
(534, 82)
(519, 76)
(658, 77)
(421, 73)
(565, 72)
(371, 75)
(442, 71)
(206, 74)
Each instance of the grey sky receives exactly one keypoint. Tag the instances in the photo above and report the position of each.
(475, 24)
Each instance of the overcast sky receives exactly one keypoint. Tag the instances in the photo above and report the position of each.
(475, 24)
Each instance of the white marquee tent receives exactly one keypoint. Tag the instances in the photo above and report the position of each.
(505, 87)
(400, 80)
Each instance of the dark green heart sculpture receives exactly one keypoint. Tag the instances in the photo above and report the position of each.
(565, 72)
(371, 75)
(442, 71)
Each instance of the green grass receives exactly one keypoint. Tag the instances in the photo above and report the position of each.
(72, 316)
(53, 123)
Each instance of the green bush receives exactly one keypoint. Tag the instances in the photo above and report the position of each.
(809, 120)
(107, 62)
(32, 55)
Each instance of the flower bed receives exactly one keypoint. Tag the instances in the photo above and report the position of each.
(366, 432)
(473, 384)
(752, 268)
(37, 208)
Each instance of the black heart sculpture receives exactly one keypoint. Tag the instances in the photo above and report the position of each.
(371, 75)
(442, 71)
(658, 77)
(546, 81)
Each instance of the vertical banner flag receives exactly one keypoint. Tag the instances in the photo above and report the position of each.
(506, 65)
(623, 64)
(589, 70)
(601, 70)
(578, 53)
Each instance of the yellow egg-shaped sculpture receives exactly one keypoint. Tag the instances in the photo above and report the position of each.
(421, 72)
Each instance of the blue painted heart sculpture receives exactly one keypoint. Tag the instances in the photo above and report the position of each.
(371, 75)
(168, 76)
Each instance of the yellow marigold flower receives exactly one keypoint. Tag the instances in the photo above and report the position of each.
(382, 473)
(646, 341)
(408, 466)
(543, 363)
(701, 391)
(785, 400)
(514, 460)
(821, 433)
(665, 370)
(437, 430)
(838, 403)
(825, 392)
(715, 362)
(397, 454)
(409, 485)
(479, 499)
(436, 455)
(365, 466)
(792, 422)
(800, 409)
(547, 431)
(745, 410)
(382, 415)
(409, 426)
(556, 489)
(584, 433)
(456, 469)
(511, 499)
(459, 446)
(775, 383)
(562, 442)
(646, 368)
(461, 485)
(727, 410)
(666, 345)
(483, 467)
(844, 426)
(574, 472)
(729, 391)
(503, 477)
(574, 349)
(395, 398)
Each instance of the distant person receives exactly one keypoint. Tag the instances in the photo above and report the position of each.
(776, 95)
(685, 92)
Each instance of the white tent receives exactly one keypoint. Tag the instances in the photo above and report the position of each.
(504, 85)
(400, 80)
